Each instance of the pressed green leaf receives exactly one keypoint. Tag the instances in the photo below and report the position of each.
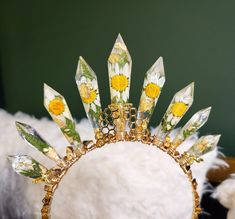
(27, 166)
(31, 136)
(70, 130)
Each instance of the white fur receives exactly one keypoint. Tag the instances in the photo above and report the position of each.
(121, 181)
(225, 193)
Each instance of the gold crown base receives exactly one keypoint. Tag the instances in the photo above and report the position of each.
(73, 155)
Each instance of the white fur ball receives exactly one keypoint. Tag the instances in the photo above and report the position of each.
(119, 181)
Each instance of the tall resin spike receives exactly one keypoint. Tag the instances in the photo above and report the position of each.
(31, 136)
(153, 83)
(119, 67)
(179, 105)
(195, 123)
(27, 166)
(88, 88)
(59, 111)
(203, 145)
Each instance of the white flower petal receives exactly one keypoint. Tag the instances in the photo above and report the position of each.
(93, 107)
(112, 72)
(116, 67)
(94, 84)
(187, 100)
(174, 121)
(83, 80)
(97, 101)
(168, 127)
(125, 70)
(177, 99)
(169, 118)
(154, 79)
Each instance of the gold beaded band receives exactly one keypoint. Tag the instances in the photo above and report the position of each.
(72, 157)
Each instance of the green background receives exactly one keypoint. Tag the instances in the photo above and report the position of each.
(42, 40)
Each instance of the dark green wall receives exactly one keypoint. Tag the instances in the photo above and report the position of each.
(42, 40)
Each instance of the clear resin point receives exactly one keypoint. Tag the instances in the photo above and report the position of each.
(27, 166)
(153, 83)
(57, 107)
(31, 136)
(179, 105)
(88, 88)
(195, 123)
(204, 145)
(119, 67)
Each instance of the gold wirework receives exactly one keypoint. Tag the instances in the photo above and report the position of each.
(117, 123)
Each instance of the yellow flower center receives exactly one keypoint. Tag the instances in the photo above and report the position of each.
(119, 82)
(56, 106)
(152, 90)
(88, 94)
(114, 58)
(178, 109)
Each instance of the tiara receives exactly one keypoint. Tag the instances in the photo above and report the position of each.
(119, 121)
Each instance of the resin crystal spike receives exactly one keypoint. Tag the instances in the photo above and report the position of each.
(59, 111)
(27, 166)
(203, 145)
(31, 136)
(153, 83)
(179, 105)
(88, 88)
(119, 67)
(195, 123)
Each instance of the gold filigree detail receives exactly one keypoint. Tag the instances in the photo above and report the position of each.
(107, 133)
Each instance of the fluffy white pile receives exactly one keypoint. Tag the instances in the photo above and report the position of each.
(121, 181)
(225, 193)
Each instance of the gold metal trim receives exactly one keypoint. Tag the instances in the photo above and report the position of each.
(56, 174)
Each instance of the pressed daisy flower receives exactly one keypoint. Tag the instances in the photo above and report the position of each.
(119, 82)
(152, 90)
(56, 106)
(178, 109)
(88, 88)
(119, 66)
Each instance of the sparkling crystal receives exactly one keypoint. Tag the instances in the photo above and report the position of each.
(196, 122)
(179, 105)
(27, 166)
(31, 136)
(153, 83)
(59, 111)
(119, 67)
(88, 88)
(203, 145)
